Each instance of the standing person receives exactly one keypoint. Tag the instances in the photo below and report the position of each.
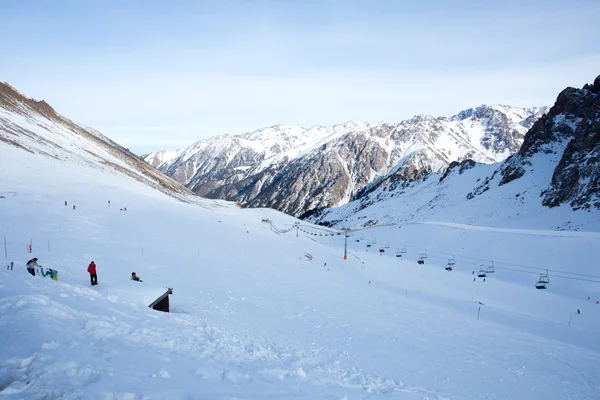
(109, 203)
(73, 206)
(65, 202)
(31, 264)
(92, 271)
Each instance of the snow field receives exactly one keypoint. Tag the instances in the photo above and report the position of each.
(253, 318)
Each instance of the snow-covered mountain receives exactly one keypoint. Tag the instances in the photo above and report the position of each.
(298, 171)
(549, 182)
(35, 127)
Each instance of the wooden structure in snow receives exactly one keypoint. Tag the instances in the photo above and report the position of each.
(162, 303)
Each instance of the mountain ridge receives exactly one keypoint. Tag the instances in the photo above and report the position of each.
(282, 157)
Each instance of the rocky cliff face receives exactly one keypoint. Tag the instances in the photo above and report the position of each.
(567, 140)
(298, 171)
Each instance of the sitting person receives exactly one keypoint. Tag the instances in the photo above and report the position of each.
(134, 277)
(50, 273)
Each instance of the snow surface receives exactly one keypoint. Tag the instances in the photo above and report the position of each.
(258, 314)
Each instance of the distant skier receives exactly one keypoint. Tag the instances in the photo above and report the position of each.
(484, 279)
(92, 271)
(472, 272)
(578, 312)
(124, 208)
(65, 202)
(134, 277)
(109, 203)
(73, 206)
(31, 265)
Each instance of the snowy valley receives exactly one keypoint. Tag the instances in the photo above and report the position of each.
(258, 312)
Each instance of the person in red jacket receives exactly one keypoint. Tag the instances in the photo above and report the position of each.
(92, 271)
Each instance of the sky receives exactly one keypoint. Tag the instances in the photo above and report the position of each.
(156, 75)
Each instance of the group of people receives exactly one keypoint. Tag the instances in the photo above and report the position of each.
(48, 272)
(32, 265)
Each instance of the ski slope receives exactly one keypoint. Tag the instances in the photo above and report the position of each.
(253, 318)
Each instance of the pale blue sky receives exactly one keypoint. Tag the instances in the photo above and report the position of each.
(162, 74)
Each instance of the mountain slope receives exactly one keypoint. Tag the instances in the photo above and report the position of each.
(554, 173)
(36, 128)
(298, 171)
(261, 314)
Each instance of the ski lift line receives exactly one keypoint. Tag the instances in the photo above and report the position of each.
(496, 263)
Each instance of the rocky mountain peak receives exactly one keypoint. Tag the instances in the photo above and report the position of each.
(297, 170)
(566, 139)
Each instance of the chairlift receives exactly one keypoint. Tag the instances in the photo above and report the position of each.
(544, 278)
(451, 261)
(541, 284)
(403, 251)
(368, 244)
(423, 256)
(399, 253)
(387, 246)
(481, 273)
(381, 250)
(491, 269)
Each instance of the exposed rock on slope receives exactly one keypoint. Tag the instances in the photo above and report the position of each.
(567, 139)
(298, 171)
(35, 127)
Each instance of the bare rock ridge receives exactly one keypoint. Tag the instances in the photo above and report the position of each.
(567, 138)
(35, 127)
(299, 171)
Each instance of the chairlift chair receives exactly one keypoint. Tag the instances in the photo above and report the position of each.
(540, 285)
(399, 253)
(387, 246)
(490, 269)
(403, 251)
(451, 261)
(423, 256)
(544, 278)
(481, 273)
